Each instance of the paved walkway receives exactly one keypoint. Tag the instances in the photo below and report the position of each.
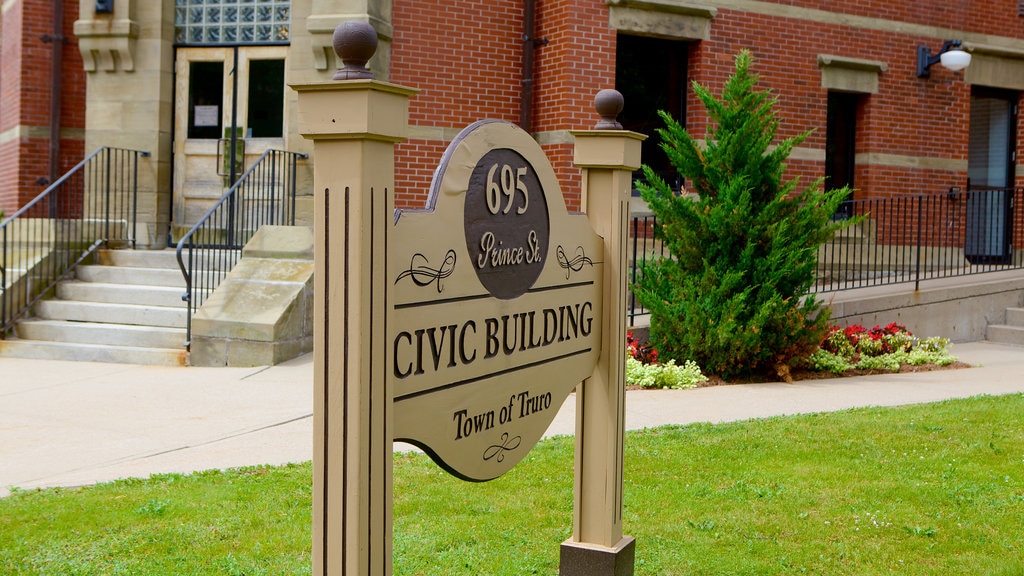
(77, 423)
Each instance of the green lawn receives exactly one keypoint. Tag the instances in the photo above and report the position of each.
(930, 489)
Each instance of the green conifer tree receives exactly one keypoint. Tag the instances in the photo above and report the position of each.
(734, 294)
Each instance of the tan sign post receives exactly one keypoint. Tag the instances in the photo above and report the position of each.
(463, 327)
(608, 156)
(354, 126)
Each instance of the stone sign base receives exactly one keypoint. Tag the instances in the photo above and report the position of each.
(580, 559)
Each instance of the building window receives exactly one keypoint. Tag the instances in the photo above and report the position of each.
(841, 145)
(205, 99)
(216, 22)
(651, 75)
(991, 148)
(991, 155)
(266, 98)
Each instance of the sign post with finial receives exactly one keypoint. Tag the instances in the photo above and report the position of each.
(607, 155)
(354, 124)
(513, 313)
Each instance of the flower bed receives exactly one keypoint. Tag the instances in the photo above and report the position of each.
(889, 348)
(643, 369)
(851, 351)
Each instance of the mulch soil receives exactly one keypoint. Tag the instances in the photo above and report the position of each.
(798, 374)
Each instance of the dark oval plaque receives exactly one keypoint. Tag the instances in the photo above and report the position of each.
(506, 221)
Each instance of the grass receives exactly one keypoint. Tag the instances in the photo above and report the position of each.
(928, 489)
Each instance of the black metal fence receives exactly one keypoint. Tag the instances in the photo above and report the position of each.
(913, 238)
(644, 246)
(92, 205)
(901, 239)
(264, 195)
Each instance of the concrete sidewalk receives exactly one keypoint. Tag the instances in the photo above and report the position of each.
(77, 423)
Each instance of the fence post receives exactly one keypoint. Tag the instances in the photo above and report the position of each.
(920, 224)
(607, 155)
(354, 125)
(106, 208)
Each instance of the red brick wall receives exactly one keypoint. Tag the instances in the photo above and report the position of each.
(466, 60)
(26, 90)
(577, 62)
(908, 117)
(998, 17)
(466, 57)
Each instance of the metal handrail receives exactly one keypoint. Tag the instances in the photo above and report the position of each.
(264, 194)
(908, 239)
(901, 239)
(92, 205)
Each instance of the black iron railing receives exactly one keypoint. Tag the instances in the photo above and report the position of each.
(644, 245)
(913, 238)
(93, 205)
(901, 239)
(264, 195)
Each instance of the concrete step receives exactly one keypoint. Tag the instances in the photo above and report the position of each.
(166, 258)
(111, 313)
(37, 349)
(140, 295)
(1005, 334)
(1015, 317)
(125, 275)
(102, 333)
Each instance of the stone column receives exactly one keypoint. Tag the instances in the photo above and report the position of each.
(128, 56)
(607, 155)
(354, 125)
(311, 58)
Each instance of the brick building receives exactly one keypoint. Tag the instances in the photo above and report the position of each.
(40, 73)
(157, 76)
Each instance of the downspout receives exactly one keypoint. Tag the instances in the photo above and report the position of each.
(529, 45)
(56, 87)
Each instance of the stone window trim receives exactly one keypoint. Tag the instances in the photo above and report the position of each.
(854, 75)
(995, 66)
(107, 44)
(662, 18)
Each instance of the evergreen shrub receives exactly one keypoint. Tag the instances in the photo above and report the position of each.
(733, 294)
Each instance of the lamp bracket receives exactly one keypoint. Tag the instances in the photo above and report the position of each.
(925, 60)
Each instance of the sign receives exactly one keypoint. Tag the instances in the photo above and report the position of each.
(206, 116)
(497, 304)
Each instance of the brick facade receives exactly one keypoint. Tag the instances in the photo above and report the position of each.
(466, 60)
(911, 135)
(25, 93)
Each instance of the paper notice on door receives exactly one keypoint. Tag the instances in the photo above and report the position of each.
(207, 116)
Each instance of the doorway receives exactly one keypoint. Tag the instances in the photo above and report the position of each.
(841, 147)
(991, 159)
(651, 74)
(228, 105)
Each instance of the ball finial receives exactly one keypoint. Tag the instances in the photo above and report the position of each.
(355, 42)
(608, 104)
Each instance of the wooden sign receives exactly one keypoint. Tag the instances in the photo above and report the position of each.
(496, 311)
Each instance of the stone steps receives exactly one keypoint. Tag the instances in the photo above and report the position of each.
(1010, 333)
(76, 351)
(124, 307)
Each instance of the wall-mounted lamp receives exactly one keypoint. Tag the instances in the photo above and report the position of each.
(952, 57)
(104, 6)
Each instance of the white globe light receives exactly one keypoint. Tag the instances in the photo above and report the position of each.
(955, 59)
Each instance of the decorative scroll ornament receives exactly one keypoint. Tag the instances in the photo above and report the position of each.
(574, 265)
(497, 451)
(423, 275)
